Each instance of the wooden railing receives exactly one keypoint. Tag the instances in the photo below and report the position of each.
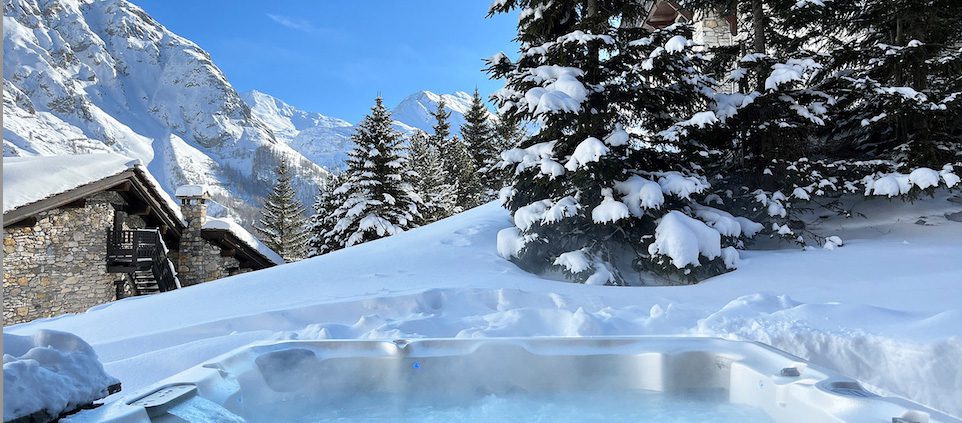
(141, 249)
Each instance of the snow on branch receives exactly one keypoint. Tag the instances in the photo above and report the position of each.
(683, 239)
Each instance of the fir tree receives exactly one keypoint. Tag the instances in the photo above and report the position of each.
(820, 82)
(588, 197)
(322, 222)
(894, 70)
(379, 199)
(432, 180)
(508, 133)
(282, 218)
(459, 168)
(481, 142)
(469, 190)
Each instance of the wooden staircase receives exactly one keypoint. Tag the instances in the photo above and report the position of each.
(142, 255)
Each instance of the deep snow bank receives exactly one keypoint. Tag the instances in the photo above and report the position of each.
(50, 372)
(884, 308)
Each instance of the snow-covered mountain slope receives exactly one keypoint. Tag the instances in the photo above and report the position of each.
(84, 76)
(415, 110)
(326, 140)
(884, 308)
(322, 139)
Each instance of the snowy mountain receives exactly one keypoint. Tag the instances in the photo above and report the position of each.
(322, 139)
(326, 140)
(415, 110)
(84, 76)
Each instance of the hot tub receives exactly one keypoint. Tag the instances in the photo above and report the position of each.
(656, 379)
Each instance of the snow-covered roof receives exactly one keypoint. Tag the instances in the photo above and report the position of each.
(27, 180)
(192, 191)
(228, 224)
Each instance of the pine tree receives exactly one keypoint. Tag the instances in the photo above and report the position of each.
(462, 176)
(322, 222)
(481, 142)
(589, 197)
(469, 190)
(379, 199)
(894, 70)
(508, 133)
(431, 183)
(831, 96)
(282, 219)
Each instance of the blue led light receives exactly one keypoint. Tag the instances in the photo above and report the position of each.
(416, 365)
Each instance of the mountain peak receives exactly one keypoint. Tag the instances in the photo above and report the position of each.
(416, 109)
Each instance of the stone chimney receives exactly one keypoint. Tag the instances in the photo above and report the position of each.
(192, 262)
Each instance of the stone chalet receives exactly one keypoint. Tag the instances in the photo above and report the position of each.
(83, 230)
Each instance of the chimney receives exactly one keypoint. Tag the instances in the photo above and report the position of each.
(192, 266)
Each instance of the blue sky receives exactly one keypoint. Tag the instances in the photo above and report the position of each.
(335, 56)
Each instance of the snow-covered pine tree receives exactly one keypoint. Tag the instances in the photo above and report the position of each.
(323, 221)
(379, 199)
(482, 143)
(895, 70)
(610, 185)
(770, 123)
(431, 183)
(458, 165)
(809, 114)
(282, 218)
(508, 133)
(469, 190)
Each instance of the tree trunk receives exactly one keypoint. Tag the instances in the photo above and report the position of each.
(758, 29)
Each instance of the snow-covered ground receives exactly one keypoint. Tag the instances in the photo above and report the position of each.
(886, 308)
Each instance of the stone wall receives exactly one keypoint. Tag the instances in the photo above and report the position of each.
(202, 263)
(198, 260)
(57, 266)
(712, 31)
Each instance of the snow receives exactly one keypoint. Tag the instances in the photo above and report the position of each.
(639, 193)
(510, 242)
(588, 151)
(323, 140)
(228, 224)
(949, 177)
(720, 220)
(731, 257)
(896, 184)
(792, 70)
(551, 168)
(676, 44)
(573, 261)
(618, 137)
(562, 93)
(684, 239)
(602, 276)
(679, 185)
(527, 157)
(50, 371)
(610, 210)
(192, 191)
(884, 308)
(27, 180)
(908, 93)
(581, 37)
(565, 207)
(700, 119)
(528, 215)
